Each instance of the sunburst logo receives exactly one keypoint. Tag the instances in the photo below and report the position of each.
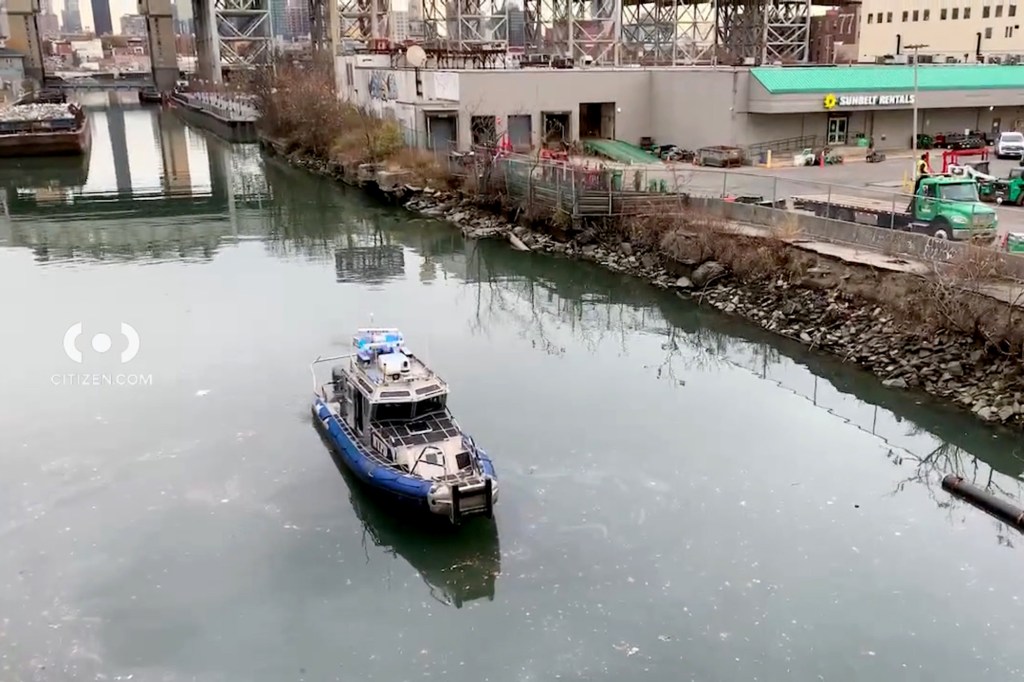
(830, 101)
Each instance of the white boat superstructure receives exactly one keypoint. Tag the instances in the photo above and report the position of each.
(395, 408)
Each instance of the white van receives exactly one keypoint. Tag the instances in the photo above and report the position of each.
(1010, 146)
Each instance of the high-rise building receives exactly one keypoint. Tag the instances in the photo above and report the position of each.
(48, 25)
(516, 26)
(4, 29)
(133, 25)
(72, 17)
(102, 24)
(296, 20)
(277, 16)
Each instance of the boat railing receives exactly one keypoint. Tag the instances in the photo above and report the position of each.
(423, 453)
(317, 385)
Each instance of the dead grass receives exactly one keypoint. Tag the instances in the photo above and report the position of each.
(423, 165)
(953, 297)
(298, 105)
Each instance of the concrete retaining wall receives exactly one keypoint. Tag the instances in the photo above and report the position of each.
(896, 242)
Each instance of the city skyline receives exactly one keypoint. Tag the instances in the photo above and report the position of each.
(118, 8)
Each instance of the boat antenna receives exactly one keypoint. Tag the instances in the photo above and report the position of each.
(371, 319)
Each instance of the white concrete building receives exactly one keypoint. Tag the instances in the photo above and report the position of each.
(951, 29)
(688, 106)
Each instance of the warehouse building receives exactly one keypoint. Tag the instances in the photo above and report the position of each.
(957, 30)
(687, 106)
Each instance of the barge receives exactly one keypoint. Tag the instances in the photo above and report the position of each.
(44, 130)
(385, 414)
(228, 119)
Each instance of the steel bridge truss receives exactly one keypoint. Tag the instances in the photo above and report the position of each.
(466, 25)
(364, 20)
(243, 33)
(764, 31)
(600, 32)
(668, 32)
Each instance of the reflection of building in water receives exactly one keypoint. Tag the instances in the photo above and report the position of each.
(173, 140)
(373, 264)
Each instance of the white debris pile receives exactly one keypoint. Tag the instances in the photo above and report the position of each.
(36, 112)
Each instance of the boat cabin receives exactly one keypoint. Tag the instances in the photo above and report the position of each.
(398, 406)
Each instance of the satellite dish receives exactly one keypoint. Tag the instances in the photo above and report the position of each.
(415, 56)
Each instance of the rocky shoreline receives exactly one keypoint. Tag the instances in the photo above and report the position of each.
(949, 366)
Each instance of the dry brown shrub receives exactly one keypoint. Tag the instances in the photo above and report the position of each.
(298, 105)
(957, 295)
(422, 164)
(648, 231)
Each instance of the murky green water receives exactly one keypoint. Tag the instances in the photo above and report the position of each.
(683, 497)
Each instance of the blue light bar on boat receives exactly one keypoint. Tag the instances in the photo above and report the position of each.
(377, 341)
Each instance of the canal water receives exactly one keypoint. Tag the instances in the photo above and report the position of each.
(683, 496)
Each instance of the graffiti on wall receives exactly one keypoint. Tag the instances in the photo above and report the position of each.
(382, 86)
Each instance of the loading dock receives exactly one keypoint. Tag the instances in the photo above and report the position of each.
(597, 119)
(556, 127)
(442, 129)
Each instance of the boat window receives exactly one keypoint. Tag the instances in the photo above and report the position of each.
(430, 405)
(462, 459)
(389, 411)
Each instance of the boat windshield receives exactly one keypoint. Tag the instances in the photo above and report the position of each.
(959, 191)
(383, 412)
(386, 412)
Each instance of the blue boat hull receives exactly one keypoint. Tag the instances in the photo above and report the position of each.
(405, 489)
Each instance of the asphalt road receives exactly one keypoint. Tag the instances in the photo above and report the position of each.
(879, 181)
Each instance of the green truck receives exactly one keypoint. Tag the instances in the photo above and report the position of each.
(945, 207)
(1014, 242)
(1009, 190)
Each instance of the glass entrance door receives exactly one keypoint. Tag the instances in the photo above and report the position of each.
(837, 126)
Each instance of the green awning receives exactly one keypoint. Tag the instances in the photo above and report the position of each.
(826, 79)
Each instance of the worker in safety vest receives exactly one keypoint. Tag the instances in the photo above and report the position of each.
(923, 166)
(922, 170)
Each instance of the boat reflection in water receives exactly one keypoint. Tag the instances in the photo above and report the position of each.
(458, 565)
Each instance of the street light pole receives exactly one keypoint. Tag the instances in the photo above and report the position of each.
(913, 140)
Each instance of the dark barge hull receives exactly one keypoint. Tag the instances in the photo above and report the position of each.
(228, 129)
(54, 143)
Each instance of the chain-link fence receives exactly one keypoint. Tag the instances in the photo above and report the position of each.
(938, 222)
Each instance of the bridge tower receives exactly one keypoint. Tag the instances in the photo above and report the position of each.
(163, 54)
(24, 38)
(232, 37)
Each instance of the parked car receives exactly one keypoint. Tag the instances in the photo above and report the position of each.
(1010, 146)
